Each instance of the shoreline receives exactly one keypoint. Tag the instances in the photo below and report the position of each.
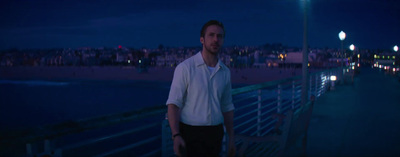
(238, 76)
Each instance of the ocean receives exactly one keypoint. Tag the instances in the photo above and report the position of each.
(31, 103)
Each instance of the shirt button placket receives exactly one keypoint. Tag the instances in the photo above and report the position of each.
(209, 100)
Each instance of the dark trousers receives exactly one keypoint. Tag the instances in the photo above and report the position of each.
(202, 141)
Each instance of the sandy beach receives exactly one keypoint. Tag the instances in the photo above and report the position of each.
(239, 76)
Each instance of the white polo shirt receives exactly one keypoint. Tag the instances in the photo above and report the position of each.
(202, 96)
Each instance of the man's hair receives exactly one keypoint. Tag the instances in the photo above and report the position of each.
(209, 23)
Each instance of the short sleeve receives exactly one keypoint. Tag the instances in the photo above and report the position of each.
(226, 102)
(177, 93)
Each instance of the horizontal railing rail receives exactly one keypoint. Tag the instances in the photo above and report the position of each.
(144, 133)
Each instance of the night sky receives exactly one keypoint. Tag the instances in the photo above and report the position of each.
(149, 23)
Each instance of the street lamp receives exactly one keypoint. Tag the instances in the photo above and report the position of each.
(395, 48)
(352, 47)
(342, 36)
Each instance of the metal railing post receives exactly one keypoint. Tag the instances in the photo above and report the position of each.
(58, 153)
(293, 93)
(225, 143)
(259, 113)
(279, 98)
(29, 150)
(165, 134)
(326, 83)
(310, 89)
(316, 86)
(47, 147)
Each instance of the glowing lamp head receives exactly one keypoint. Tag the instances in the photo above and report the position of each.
(342, 35)
(333, 78)
(352, 47)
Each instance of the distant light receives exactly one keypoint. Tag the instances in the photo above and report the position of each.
(352, 47)
(352, 67)
(358, 64)
(308, 64)
(395, 48)
(119, 46)
(394, 69)
(140, 61)
(333, 78)
(374, 56)
(342, 35)
(129, 61)
(358, 55)
(394, 57)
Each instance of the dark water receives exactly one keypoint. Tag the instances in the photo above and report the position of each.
(30, 103)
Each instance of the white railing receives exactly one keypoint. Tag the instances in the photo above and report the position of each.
(144, 133)
(255, 105)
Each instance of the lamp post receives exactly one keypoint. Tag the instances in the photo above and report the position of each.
(305, 75)
(352, 48)
(342, 36)
(395, 48)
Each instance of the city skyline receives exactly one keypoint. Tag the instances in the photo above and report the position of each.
(72, 24)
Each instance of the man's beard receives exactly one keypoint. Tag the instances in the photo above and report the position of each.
(212, 50)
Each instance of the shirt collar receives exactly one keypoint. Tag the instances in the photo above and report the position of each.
(198, 60)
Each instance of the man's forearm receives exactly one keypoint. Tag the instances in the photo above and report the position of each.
(173, 118)
(228, 121)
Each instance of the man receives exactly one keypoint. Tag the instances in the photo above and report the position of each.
(200, 99)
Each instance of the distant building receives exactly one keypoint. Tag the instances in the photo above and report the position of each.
(295, 59)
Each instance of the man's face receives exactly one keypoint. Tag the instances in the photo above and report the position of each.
(213, 39)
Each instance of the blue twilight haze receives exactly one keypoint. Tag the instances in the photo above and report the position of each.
(148, 23)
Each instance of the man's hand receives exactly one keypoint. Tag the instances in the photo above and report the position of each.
(231, 148)
(179, 146)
